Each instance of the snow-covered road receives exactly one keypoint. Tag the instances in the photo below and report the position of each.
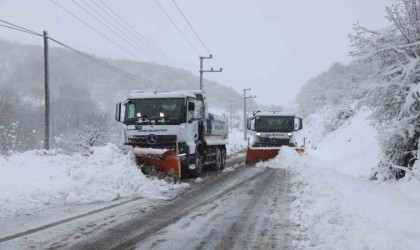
(249, 214)
(246, 208)
(241, 209)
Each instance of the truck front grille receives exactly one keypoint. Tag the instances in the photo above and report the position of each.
(269, 142)
(154, 141)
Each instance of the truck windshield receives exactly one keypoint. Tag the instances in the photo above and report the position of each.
(169, 111)
(274, 123)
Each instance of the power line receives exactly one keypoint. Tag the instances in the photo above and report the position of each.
(176, 26)
(100, 33)
(199, 38)
(104, 64)
(192, 28)
(155, 58)
(20, 30)
(182, 33)
(135, 45)
(17, 27)
(83, 54)
(142, 38)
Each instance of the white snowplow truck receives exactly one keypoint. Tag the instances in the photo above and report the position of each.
(173, 131)
(272, 130)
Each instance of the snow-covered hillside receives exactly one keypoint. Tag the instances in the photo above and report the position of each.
(353, 148)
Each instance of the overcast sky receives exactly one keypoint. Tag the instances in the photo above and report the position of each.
(271, 46)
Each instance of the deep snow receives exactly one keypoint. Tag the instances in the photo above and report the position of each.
(334, 204)
(39, 179)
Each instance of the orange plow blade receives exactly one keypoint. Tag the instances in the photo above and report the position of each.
(260, 154)
(254, 154)
(164, 159)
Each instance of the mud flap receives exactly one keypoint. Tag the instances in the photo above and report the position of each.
(164, 159)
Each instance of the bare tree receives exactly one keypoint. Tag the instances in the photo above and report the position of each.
(93, 130)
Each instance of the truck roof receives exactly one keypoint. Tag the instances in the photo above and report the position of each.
(273, 113)
(141, 94)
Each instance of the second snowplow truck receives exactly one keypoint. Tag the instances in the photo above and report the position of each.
(272, 130)
(173, 131)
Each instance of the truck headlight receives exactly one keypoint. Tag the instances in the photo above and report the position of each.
(258, 133)
(289, 134)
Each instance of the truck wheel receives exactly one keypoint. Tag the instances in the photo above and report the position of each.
(198, 162)
(219, 160)
(223, 163)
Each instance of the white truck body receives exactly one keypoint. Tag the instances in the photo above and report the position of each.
(176, 120)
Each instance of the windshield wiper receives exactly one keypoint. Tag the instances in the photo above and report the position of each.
(143, 120)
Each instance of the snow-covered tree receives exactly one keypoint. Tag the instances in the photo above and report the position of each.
(15, 136)
(339, 87)
(394, 53)
(94, 130)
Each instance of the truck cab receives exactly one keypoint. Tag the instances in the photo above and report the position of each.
(274, 128)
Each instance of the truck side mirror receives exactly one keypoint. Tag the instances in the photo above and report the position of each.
(119, 112)
(191, 106)
(250, 123)
(298, 123)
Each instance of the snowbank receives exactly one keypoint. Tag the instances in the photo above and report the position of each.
(34, 179)
(352, 149)
(236, 141)
(287, 158)
(337, 211)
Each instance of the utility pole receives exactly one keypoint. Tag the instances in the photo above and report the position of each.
(234, 113)
(202, 70)
(47, 94)
(231, 113)
(246, 97)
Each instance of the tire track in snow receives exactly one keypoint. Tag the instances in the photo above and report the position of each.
(240, 225)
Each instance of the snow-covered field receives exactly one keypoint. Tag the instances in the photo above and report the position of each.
(334, 205)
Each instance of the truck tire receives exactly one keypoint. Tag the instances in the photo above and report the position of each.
(219, 160)
(199, 163)
(223, 153)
